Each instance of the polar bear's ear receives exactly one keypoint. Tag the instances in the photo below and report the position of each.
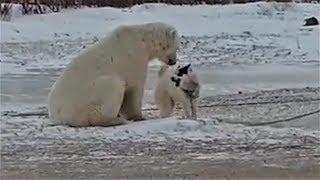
(173, 33)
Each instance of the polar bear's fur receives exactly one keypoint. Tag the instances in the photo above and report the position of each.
(177, 85)
(104, 85)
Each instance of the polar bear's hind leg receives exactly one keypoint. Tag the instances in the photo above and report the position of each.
(105, 99)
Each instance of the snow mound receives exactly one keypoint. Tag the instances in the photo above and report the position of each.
(35, 130)
(173, 128)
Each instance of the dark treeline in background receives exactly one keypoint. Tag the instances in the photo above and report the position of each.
(44, 6)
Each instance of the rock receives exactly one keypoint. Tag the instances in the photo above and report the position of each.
(311, 21)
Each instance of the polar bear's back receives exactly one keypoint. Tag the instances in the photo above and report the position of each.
(116, 54)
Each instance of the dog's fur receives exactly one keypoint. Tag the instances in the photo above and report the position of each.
(177, 85)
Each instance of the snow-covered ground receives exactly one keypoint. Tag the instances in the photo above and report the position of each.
(256, 33)
(221, 143)
(238, 51)
(201, 20)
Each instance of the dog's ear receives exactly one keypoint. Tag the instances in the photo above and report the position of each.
(183, 70)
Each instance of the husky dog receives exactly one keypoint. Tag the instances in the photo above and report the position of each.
(177, 85)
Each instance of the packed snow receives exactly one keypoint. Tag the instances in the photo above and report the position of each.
(240, 49)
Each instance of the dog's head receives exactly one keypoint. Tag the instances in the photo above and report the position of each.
(186, 80)
(179, 72)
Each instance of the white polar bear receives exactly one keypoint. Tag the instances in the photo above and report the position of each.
(104, 85)
(177, 85)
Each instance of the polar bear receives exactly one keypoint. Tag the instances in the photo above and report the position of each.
(104, 85)
(177, 85)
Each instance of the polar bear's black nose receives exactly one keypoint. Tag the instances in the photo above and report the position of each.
(171, 62)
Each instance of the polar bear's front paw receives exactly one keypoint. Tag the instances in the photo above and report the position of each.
(137, 118)
(187, 117)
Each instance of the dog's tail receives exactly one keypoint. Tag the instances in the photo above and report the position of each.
(163, 68)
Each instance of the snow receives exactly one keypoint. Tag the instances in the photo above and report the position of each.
(15, 10)
(238, 50)
(151, 130)
(254, 33)
(245, 34)
(201, 20)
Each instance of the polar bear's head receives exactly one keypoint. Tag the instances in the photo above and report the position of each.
(164, 42)
(169, 50)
